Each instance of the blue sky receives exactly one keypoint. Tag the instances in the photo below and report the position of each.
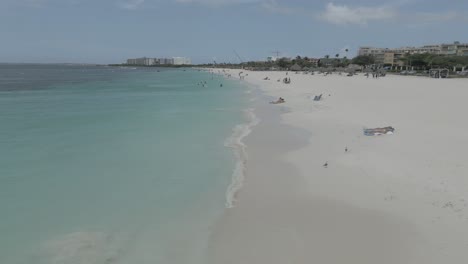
(109, 31)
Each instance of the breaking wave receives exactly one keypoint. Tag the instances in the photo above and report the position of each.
(240, 151)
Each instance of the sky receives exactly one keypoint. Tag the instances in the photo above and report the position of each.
(110, 31)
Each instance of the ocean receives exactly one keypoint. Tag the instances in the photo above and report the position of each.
(116, 164)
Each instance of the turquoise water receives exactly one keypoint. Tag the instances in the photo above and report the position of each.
(112, 165)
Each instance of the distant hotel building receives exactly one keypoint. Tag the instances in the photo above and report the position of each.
(159, 61)
(314, 62)
(393, 56)
(181, 61)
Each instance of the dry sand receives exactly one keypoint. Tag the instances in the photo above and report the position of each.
(400, 198)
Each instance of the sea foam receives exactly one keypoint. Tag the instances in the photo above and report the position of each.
(240, 151)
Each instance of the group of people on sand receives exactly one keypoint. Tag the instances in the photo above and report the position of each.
(375, 74)
(279, 101)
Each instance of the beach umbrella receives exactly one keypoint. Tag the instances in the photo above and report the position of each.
(296, 67)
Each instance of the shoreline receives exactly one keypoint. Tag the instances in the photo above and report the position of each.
(236, 143)
(361, 209)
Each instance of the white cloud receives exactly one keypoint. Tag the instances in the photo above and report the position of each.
(131, 4)
(344, 15)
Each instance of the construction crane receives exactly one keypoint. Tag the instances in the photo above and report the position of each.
(277, 52)
(239, 57)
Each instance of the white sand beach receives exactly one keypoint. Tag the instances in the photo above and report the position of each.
(399, 198)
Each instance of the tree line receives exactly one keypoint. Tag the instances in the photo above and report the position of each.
(418, 61)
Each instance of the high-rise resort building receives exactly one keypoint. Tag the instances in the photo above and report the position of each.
(391, 56)
(159, 61)
(181, 61)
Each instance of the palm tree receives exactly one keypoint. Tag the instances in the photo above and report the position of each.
(345, 60)
(327, 56)
(337, 55)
